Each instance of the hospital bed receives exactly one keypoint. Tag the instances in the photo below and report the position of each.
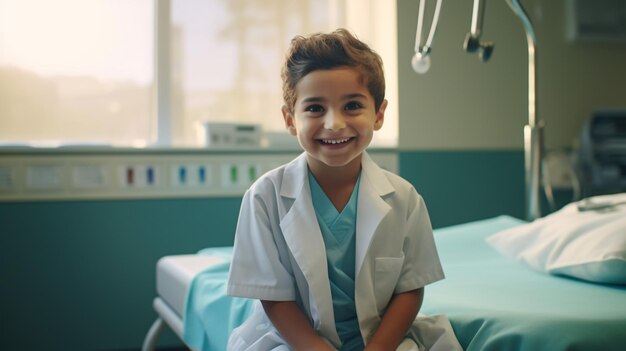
(174, 275)
(494, 302)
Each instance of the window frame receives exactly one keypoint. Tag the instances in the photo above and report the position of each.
(374, 10)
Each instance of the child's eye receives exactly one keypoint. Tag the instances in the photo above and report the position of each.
(353, 105)
(314, 108)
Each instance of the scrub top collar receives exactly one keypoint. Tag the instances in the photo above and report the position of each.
(294, 179)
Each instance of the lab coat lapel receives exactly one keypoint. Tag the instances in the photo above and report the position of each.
(371, 208)
(304, 239)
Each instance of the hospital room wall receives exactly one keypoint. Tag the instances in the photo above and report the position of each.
(80, 275)
(461, 123)
(465, 104)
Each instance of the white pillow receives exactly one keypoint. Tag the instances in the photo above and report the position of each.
(588, 245)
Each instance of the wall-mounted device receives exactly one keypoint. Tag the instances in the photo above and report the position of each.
(596, 21)
(232, 135)
(602, 163)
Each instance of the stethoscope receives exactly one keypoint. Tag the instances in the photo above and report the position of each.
(421, 59)
(472, 44)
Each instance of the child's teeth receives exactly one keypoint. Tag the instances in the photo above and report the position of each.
(336, 141)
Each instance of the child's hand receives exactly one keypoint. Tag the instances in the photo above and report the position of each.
(373, 347)
(294, 326)
(318, 346)
(406, 345)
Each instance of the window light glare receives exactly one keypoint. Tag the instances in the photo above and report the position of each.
(76, 37)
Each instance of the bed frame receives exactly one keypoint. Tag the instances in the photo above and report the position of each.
(174, 275)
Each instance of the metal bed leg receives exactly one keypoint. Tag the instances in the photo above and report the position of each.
(153, 335)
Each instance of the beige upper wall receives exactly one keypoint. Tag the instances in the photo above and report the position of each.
(463, 104)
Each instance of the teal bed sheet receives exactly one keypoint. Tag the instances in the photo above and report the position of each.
(493, 302)
(210, 315)
(497, 303)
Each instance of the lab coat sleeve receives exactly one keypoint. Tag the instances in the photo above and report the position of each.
(256, 269)
(421, 264)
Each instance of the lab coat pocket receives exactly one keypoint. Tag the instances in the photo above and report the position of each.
(387, 273)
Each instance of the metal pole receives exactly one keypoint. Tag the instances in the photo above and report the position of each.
(533, 136)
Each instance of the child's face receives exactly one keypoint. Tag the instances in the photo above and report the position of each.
(334, 117)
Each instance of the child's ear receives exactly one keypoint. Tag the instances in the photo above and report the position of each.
(290, 121)
(380, 116)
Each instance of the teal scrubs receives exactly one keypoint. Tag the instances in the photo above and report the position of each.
(338, 231)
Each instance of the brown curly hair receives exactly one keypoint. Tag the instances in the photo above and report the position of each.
(327, 51)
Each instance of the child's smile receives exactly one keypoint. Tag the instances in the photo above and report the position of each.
(334, 117)
(336, 142)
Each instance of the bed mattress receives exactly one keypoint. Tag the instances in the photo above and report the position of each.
(175, 274)
(496, 303)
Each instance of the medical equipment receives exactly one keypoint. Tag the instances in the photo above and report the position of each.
(558, 171)
(229, 135)
(533, 130)
(602, 161)
(421, 59)
(589, 205)
(472, 42)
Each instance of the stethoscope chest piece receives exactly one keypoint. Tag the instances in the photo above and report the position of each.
(421, 59)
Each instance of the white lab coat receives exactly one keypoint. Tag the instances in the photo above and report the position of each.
(279, 255)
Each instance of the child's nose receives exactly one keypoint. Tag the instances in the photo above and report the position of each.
(334, 121)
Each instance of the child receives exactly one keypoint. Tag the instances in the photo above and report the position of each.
(337, 250)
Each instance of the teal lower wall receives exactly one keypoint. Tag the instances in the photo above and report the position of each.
(459, 187)
(80, 275)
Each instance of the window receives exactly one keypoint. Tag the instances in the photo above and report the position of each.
(86, 71)
(76, 71)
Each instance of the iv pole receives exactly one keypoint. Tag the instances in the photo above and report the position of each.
(533, 136)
